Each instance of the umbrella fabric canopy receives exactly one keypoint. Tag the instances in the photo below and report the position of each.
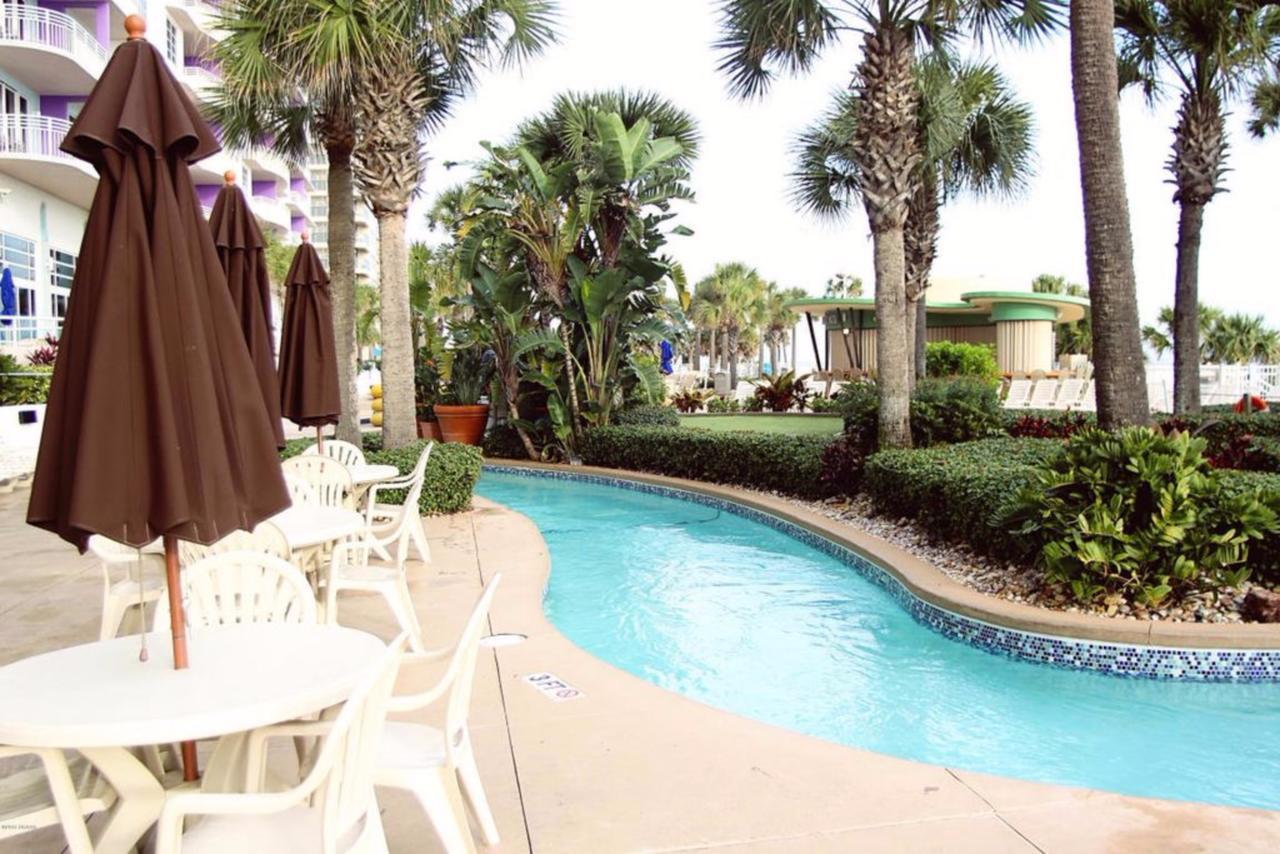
(8, 297)
(240, 251)
(155, 423)
(308, 358)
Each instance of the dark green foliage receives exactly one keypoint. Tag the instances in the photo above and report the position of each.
(503, 442)
(859, 403)
(1138, 512)
(647, 416)
(1220, 429)
(1264, 555)
(823, 405)
(842, 463)
(23, 390)
(959, 409)
(724, 405)
(958, 359)
(767, 461)
(452, 471)
(958, 491)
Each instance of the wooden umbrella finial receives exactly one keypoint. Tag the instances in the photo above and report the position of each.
(306, 236)
(135, 26)
(229, 176)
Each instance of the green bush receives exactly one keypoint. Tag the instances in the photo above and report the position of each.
(27, 390)
(957, 359)
(823, 405)
(503, 442)
(958, 492)
(959, 409)
(767, 461)
(1264, 555)
(647, 416)
(723, 405)
(1138, 512)
(452, 471)
(1221, 430)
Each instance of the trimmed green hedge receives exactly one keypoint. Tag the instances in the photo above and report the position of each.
(647, 416)
(452, 471)
(957, 491)
(768, 461)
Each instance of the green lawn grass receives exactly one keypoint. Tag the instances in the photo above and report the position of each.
(796, 425)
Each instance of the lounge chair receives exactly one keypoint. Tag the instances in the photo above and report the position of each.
(1018, 395)
(1044, 394)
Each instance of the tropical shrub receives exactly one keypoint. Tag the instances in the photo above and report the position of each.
(1249, 453)
(1220, 429)
(724, 405)
(842, 463)
(767, 461)
(959, 359)
(1137, 512)
(782, 392)
(502, 441)
(859, 403)
(23, 385)
(960, 409)
(823, 405)
(647, 416)
(691, 400)
(958, 492)
(1264, 555)
(1049, 425)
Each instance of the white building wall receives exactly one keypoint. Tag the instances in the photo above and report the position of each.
(30, 217)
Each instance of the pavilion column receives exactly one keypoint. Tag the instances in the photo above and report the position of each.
(1024, 337)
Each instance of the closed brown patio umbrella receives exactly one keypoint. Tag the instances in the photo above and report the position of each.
(308, 357)
(241, 253)
(155, 425)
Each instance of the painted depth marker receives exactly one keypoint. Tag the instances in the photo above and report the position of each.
(553, 688)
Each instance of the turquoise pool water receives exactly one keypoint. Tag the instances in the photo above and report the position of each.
(745, 618)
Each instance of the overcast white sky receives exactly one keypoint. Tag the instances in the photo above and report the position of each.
(742, 211)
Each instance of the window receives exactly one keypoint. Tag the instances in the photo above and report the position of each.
(57, 305)
(19, 255)
(171, 41)
(26, 302)
(320, 235)
(320, 207)
(62, 268)
(320, 181)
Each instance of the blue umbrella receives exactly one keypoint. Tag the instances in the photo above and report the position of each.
(8, 298)
(667, 354)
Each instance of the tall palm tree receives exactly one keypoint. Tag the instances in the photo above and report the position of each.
(433, 58)
(1117, 347)
(1213, 50)
(975, 137)
(1237, 339)
(706, 310)
(734, 296)
(779, 321)
(1160, 336)
(761, 36)
(288, 82)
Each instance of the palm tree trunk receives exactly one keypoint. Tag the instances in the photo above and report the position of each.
(342, 286)
(1186, 311)
(711, 358)
(773, 357)
(922, 338)
(1117, 347)
(733, 359)
(909, 324)
(696, 354)
(892, 345)
(575, 408)
(398, 413)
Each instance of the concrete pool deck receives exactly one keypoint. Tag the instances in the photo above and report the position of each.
(630, 767)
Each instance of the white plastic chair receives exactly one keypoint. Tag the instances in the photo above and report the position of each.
(359, 565)
(336, 449)
(1069, 394)
(433, 764)
(58, 792)
(380, 515)
(1044, 394)
(1019, 394)
(130, 579)
(242, 587)
(265, 538)
(329, 479)
(332, 810)
(1089, 400)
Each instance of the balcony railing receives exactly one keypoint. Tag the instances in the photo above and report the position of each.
(49, 28)
(33, 135)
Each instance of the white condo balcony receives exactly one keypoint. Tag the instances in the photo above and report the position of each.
(48, 50)
(199, 81)
(196, 15)
(299, 204)
(30, 151)
(272, 212)
(267, 166)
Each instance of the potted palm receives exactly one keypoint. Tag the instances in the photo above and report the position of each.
(461, 415)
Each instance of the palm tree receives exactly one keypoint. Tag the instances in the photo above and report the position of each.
(1237, 339)
(843, 285)
(1213, 49)
(975, 137)
(1117, 347)
(729, 300)
(778, 321)
(759, 36)
(1160, 336)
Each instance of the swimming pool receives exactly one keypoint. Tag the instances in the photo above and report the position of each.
(740, 616)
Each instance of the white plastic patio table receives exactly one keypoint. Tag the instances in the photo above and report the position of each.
(306, 526)
(369, 473)
(99, 699)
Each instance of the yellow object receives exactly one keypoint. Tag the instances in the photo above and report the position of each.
(377, 404)
(377, 419)
(376, 391)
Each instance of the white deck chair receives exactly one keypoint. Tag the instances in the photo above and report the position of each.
(336, 449)
(242, 587)
(332, 810)
(380, 515)
(1044, 394)
(1069, 394)
(265, 538)
(359, 565)
(130, 579)
(1019, 394)
(1089, 400)
(1158, 396)
(58, 792)
(432, 763)
(329, 479)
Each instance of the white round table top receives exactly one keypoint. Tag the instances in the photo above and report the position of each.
(370, 473)
(307, 525)
(241, 677)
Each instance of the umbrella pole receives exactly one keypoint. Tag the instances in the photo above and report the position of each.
(319, 440)
(178, 628)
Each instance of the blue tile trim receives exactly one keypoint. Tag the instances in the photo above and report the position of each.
(1114, 659)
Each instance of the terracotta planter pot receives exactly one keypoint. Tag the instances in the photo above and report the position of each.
(429, 430)
(462, 423)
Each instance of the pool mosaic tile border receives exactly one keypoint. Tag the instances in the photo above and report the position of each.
(1114, 659)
